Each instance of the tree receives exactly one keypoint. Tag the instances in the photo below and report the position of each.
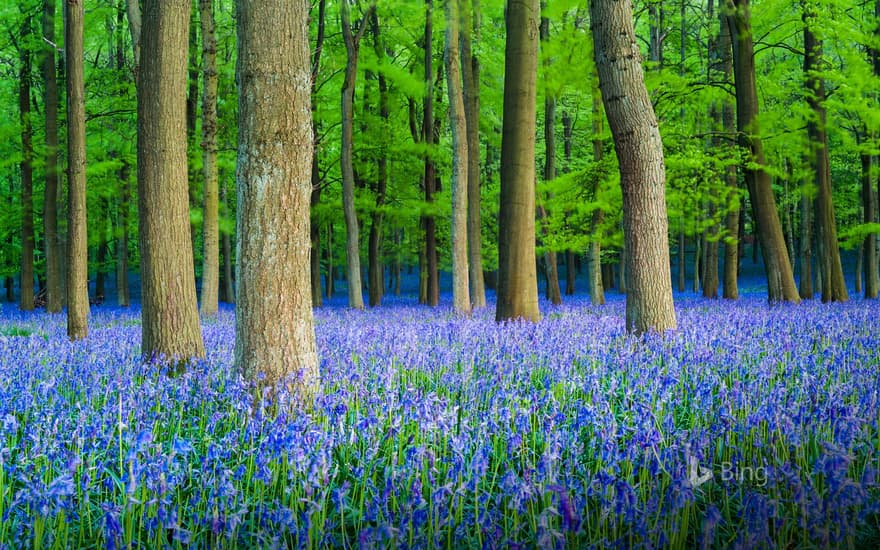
(517, 278)
(352, 238)
(780, 279)
(642, 174)
(123, 294)
(170, 317)
(375, 269)
(470, 74)
(728, 120)
(432, 274)
(461, 301)
(551, 271)
(77, 240)
(51, 240)
(274, 334)
(211, 232)
(833, 283)
(26, 297)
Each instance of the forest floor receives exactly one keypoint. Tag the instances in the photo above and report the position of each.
(750, 426)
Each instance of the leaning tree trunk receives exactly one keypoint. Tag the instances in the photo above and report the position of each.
(517, 278)
(639, 149)
(26, 296)
(352, 236)
(833, 281)
(51, 240)
(470, 73)
(461, 301)
(274, 334)
(780, 279)
(77, 239)
(211, 228)
(170, 315)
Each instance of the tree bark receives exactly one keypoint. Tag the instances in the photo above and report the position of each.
(226, 245)
(26, 283)
(461, 301)
(597, 291)
(570, 272)
(517, 278)
(315, 225)
(51, 239)
(780, 279)
(170, 317)
(551, 269)
(432, 274)
(352, 232)
(732, 220)
(123, 206)
(470, 73)
(77, 239)
(274, 334)
(375, 268)
(872, 279)
(833, 281)
(211, 227)
(639, 149)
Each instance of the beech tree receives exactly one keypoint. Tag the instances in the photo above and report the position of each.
(51, 239)
(274, 335)
(170, 316)
(517, 278)
(77, 240)
(211, 233)
(642, 174)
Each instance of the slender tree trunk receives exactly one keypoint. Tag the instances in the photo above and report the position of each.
(517, 277)
(570, 271)
(432, 276)
(170, 316)
(470, 73)
(26, 295)
(732, 222)
(806, 248)
(50, 195)
(551, 270)
(860, 264)
(274, 334)
(376, 269)
(639, 149)
(352, 237)
(331, 281)
(77, 239)
(780, 280)
(226, 245)
(461, 301)
(698, 250)
(315, 224)
(594, 268)
(123, 206)
(833, 281)
(211, 230)
(869, 245)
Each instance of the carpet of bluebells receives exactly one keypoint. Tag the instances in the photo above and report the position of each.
(751, 426)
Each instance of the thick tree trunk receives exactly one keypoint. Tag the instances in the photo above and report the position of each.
(872, 279)
(517, 277)
(375, 268)
(432, 274)
(211, 228)
(170, 316)
(274, 334)
(77, 239)
(780, 279)
(26, 288)
(639, 149)
(833, 281)
(51, 240)
(461, 301)
(470, 73)
(352, 231)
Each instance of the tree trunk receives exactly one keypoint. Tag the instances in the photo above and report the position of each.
(77, 239)
(551, 270)
(833, 281)
(50, 196)
(570, 273)
(806, 247)
(26, 294)
(274, 334)
(123, 206)
(517, 277)
(780, 280)
(597, 291)
(633, 125)
(470, 73)
(170, 316)
(860, 264)
(315, 224)
(375, 268)
(682, 258)
(432, 275)
(226, 244)
(869, 245)
(211, 228)
(732, 220)
(461, 301)
(352, 237)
